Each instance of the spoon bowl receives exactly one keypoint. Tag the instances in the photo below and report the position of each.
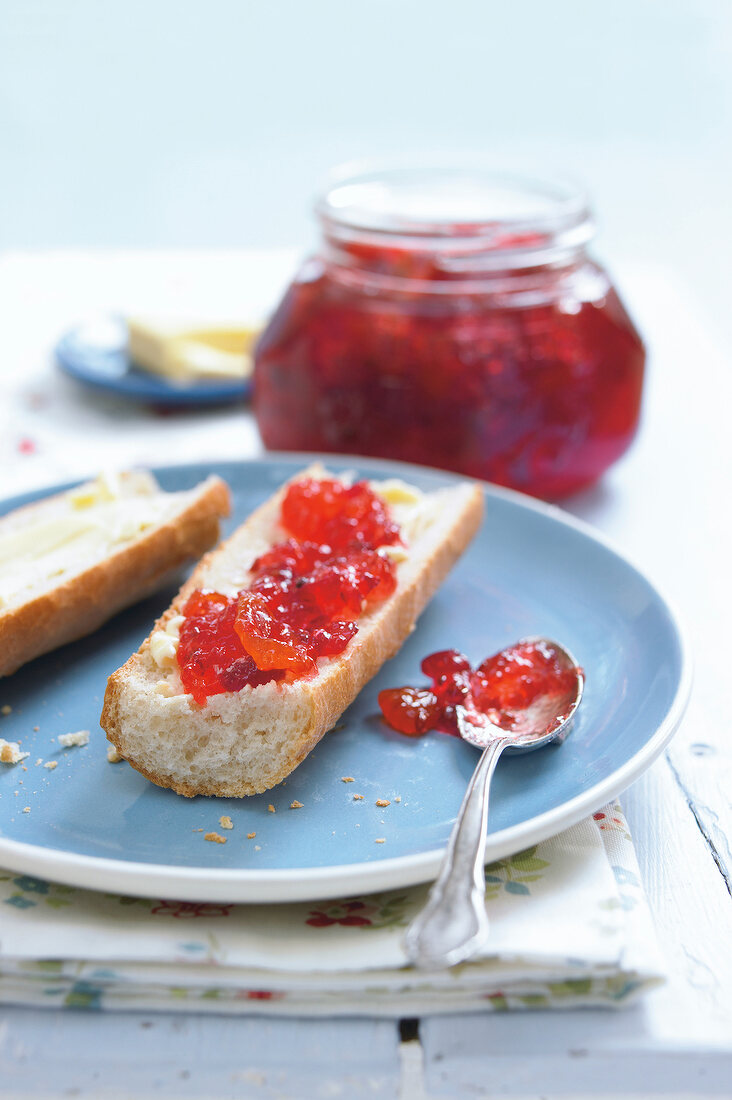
(546, 720)
(453, 925)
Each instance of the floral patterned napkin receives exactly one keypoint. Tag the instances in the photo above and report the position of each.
(569, 927)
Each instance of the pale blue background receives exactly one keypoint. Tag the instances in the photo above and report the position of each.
(210, 122)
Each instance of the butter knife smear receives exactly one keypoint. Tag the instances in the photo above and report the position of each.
(188, 353)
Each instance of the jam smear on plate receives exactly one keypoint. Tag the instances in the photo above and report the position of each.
(305, 596)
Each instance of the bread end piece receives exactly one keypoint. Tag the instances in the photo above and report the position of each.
(246, 742)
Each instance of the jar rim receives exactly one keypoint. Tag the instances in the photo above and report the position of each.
(484, 218)
(434, 197)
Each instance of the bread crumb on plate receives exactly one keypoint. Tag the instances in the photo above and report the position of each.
(81, 737)
(10, 752)
(225, 822)
(215, 838)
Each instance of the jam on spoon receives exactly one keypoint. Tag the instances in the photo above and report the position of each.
(518, 700)
(501, 689)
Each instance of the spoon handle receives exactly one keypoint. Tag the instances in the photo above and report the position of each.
(454, 923)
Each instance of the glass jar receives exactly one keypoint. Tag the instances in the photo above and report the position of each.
(454, 319)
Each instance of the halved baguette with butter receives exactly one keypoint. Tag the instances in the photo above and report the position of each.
(244, 742)
(71, 561)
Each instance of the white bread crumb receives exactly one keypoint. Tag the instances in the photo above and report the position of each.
(81, 737)
(10, 752)
(225, 822)
(51, 764)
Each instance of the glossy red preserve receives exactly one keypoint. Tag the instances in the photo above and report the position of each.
(305, 596)
(501, 686)
(456, 323)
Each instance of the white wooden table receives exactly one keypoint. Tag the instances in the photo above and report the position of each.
(665, 505)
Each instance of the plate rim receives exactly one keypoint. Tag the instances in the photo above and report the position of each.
(281, 885)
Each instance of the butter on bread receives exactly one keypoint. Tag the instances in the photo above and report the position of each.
(245, 742)
(70, 561)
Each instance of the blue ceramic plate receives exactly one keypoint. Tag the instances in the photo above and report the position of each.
(531, 570)
(95, 354)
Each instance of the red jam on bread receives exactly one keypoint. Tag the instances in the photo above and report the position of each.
(501, 686)
(304, 598)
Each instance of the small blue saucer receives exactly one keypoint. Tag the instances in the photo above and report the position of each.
(95, 354)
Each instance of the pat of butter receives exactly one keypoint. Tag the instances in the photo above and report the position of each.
(394, 553)
(189, 352)
(395, 491)
(106, 487)
(164, 643)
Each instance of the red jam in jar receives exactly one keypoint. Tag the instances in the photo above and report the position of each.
(501, 687)
(305, 596)
(454, 319)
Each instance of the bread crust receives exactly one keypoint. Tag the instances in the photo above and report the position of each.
(149, 730)
(83, 603)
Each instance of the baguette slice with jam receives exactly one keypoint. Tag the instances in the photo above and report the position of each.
(244, 742)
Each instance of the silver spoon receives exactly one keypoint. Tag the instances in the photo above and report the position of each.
(454, 924)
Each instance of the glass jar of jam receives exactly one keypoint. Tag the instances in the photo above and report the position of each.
(454, 319)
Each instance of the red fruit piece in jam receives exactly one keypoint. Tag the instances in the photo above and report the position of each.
(342, 585)
(343, 516)
(291, 557)
(211, 657)
(286, 622)
(266, 632)
(410, 710)
(450, 673)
